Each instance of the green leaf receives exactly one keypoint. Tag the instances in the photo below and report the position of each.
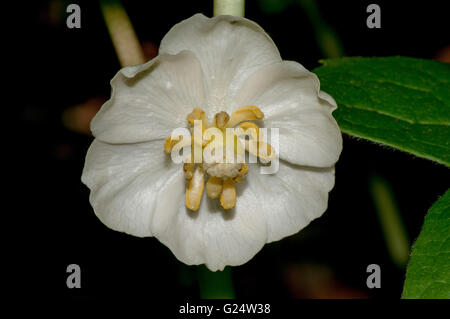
(428, 274)
(398, 101)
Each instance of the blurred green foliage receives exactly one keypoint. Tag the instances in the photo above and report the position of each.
(326, 38)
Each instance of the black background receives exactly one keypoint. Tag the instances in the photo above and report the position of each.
(56, 225)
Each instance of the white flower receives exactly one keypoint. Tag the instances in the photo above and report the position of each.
(217, 65)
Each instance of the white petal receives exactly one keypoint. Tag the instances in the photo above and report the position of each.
(219, 238)
(291, 100)
(290, 199)
(148, 101)
(229, 50)
(124, 180)
(211, 235)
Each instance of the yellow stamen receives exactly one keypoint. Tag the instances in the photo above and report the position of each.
(221, 119)
(171, 141)
(198, 140)
(198, 114)
(260, 149)
(228, 195)
(214, 135)
(194, 191)
(238, 179)
(214, 187)
(244, 170)
(246, 113)
(188, 169)
(252, 128)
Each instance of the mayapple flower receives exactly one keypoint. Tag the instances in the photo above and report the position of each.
(224, 73)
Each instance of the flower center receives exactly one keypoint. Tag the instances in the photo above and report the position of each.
(218, 153)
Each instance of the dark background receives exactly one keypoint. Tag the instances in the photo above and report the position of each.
(56, 225)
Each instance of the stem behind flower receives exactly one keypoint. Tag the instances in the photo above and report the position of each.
(125, 41)
(229, 7)
(215, 285)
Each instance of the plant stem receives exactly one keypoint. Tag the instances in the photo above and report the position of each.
(124, 39)
(391, 222)
(327, 39)
(229, 7)
(215, 285)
